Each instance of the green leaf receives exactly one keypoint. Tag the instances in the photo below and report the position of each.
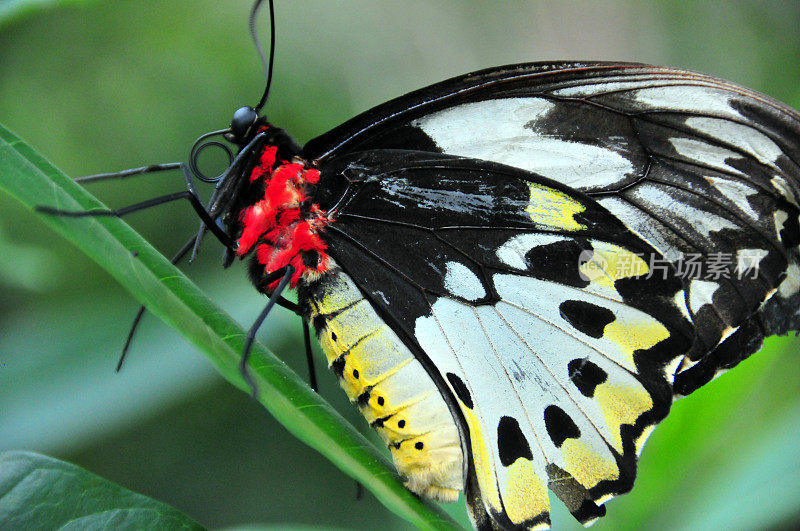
(735, 496)
(27, 176)
(39, 492)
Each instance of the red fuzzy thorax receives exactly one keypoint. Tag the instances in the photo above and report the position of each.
(284, 227)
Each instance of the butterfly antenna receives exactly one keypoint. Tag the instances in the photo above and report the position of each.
(267, 62)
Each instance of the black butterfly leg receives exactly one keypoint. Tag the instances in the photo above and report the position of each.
(190, 195)
(284, 303)
(201, 231)
(175, 259)
(154, 168)
(285, 275)
(192, 243)
(133, 172)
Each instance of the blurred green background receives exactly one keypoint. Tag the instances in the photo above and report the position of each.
(100, 86)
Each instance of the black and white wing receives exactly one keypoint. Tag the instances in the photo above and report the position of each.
(704, 170)
(532, 304)
(532, 233)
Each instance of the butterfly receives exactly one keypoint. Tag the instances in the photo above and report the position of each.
(513, 273)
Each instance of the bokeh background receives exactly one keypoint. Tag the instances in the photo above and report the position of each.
(100, 86)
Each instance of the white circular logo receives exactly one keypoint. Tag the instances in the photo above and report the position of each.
(592, 266)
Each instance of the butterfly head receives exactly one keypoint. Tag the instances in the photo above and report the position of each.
(244, 126)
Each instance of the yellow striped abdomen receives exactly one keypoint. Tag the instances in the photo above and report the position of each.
(390, 386)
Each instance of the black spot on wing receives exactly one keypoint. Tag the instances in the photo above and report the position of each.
(363, 398)
(586, 376)
(643, 291)
(576, 122)
(380, 422)
(560, 426)
(511, 442)
(558, 261)
(586, 317)
(338, 366)
(461, 389)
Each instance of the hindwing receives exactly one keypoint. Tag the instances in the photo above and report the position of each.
(531, 303)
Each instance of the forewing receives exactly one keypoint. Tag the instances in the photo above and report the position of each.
(532, 304)
(703, 170)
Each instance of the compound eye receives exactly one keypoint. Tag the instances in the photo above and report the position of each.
(243, 120)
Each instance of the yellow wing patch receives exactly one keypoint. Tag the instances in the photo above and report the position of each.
(632, 335)
(620, 405)
(550, 207)
(586, 465)
(482, 459)
(524, 495)
(610, 263)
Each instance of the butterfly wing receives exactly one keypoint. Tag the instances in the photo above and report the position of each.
(704, 170)
(531, 303)
(559, 370)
